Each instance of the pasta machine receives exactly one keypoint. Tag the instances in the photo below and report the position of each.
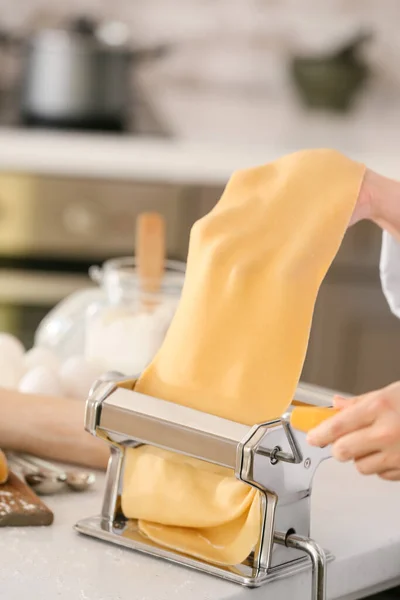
(271, 456)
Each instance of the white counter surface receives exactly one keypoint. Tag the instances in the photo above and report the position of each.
(357, 518)
(140, 158)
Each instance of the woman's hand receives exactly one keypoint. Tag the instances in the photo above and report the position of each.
(366, 431)
(379, 201)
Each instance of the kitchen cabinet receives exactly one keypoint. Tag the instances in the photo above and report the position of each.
(355, 340)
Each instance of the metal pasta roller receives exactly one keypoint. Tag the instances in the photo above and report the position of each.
(271, 457)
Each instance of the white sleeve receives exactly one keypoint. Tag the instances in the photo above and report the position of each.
(390, 272)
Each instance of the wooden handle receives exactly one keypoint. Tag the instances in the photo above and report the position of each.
(150, 250)
(49, 427)
(305, 418)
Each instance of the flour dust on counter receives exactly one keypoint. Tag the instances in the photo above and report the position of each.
(20, 507)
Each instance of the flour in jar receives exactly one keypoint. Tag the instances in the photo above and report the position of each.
(124, 340)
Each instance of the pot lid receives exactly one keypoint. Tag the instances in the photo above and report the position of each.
(83, 33)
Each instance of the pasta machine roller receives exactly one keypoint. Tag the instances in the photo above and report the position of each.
(271, 456)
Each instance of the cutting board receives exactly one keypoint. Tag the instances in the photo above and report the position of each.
(20, 506)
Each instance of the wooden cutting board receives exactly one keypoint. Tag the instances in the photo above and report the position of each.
(20, 506)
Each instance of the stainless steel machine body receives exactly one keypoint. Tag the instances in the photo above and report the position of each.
(271, 457)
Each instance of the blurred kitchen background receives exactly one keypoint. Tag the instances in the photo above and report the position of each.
(108, 109)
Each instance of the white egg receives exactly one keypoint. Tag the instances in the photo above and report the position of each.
(78, 375)
(11, 360)
(41, 380)
(40, 357)
(10, 372)
(11, 347)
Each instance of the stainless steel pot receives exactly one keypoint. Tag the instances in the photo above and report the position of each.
(78, 78)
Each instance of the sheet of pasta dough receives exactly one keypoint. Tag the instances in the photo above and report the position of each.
(238, 341)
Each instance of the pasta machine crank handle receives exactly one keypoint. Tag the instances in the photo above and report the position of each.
(317, 556)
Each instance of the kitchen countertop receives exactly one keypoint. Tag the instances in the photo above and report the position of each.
(357, 518)
(139, 158)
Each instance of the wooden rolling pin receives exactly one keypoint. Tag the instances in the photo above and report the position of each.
(48, 427)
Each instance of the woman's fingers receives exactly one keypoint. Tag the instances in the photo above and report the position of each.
(340, 402)
(393, 475)
(366, 430)
(379, 463)
(357, 445)
(359, 415)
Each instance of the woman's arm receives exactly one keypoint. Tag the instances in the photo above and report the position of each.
(366, 431)
(367, 428)
(49, 427)
(379, 201)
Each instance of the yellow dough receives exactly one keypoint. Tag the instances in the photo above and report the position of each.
(3, 468)
(238, 341)
(203, 509)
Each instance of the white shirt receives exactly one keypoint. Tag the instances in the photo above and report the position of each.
(390, 272)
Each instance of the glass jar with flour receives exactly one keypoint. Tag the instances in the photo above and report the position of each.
(127, 327)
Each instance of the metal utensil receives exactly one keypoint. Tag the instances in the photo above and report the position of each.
(44, 483)
(78, 481)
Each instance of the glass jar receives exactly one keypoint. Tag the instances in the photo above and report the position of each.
(126, 328)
